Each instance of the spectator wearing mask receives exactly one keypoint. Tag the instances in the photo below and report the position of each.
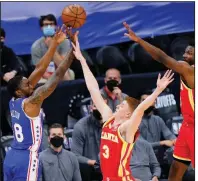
(144, 164)
(57, 163)
(9, 62)
(152, 127)
(48, 25)
(111, 91)
(86, 144)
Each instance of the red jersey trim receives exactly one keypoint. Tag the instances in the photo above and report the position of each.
(108, 121)
(181, 158)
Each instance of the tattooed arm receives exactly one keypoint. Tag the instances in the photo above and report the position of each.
(33, 104)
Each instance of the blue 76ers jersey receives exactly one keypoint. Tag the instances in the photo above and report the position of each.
(27, 131)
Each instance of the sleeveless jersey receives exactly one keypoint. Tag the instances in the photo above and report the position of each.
(115, 154)
(187, 97)
(27, 131)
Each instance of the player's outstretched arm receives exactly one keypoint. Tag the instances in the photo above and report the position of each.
(92, 85)
(133, 123)
(34, 102)
(41, 67)
(180, 67)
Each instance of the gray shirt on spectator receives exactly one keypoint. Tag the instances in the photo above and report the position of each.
(111, 103)
(143, 163)
(62, 166)
(152, 128)
(39, 48)
(86, 139)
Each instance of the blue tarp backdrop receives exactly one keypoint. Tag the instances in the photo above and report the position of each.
(104, 21)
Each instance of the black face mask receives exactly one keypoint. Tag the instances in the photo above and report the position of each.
(56, 141)
(151, 108)
(111, 84)
(97, 114)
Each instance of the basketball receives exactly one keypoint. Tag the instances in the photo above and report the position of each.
(74, 16)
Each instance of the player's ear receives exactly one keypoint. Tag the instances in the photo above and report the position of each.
(48, 139)
(128, 115)
(18, 93)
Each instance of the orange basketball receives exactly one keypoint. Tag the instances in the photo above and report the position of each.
(74, 16)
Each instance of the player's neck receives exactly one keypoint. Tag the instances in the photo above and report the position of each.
(118, 121)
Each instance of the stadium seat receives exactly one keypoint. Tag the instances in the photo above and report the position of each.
(178, 47)
(140, 58)
(85, 103)
(76, 66)
(111, 57)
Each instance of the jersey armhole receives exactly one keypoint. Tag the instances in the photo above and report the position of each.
(22, 107)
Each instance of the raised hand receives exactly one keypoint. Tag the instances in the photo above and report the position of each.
(163, 82)
(60, 35)
(131, 35)
(72, 36)
(77, 51)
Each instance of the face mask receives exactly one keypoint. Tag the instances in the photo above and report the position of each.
(48, 30)
(111, 84)
(97, 114)
(56, 141)
(151, 108)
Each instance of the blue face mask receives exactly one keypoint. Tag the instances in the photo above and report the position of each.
(48, 30)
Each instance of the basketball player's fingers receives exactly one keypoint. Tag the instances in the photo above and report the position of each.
(159, 76)
(166, 73)
(170, 80)
(171, 76)
(62, 27)
(73, 46)
(126, 25)
(126, 34)
(169, 73)
(57, 29)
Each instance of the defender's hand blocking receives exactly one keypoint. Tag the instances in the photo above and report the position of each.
(60, 35)
(77, 51)
(130, 33)
(72, 36)
(163, 82)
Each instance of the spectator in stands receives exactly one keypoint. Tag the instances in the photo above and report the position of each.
(111, 91)
(9, 69)
(9, 62)
(48, 24)
(57, 163)
(86, 144)
(144, 164)
(152, 127)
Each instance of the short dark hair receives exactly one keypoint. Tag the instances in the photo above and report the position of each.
(55, 125)
(14, 85)
(2, 32)
(49, 17)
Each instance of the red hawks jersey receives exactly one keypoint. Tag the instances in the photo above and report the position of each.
(187, 98)
(115, 154)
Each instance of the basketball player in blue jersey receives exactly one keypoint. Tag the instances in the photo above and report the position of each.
(21, 162)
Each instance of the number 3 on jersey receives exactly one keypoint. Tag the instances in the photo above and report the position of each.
(106, 151)
(18, 132)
